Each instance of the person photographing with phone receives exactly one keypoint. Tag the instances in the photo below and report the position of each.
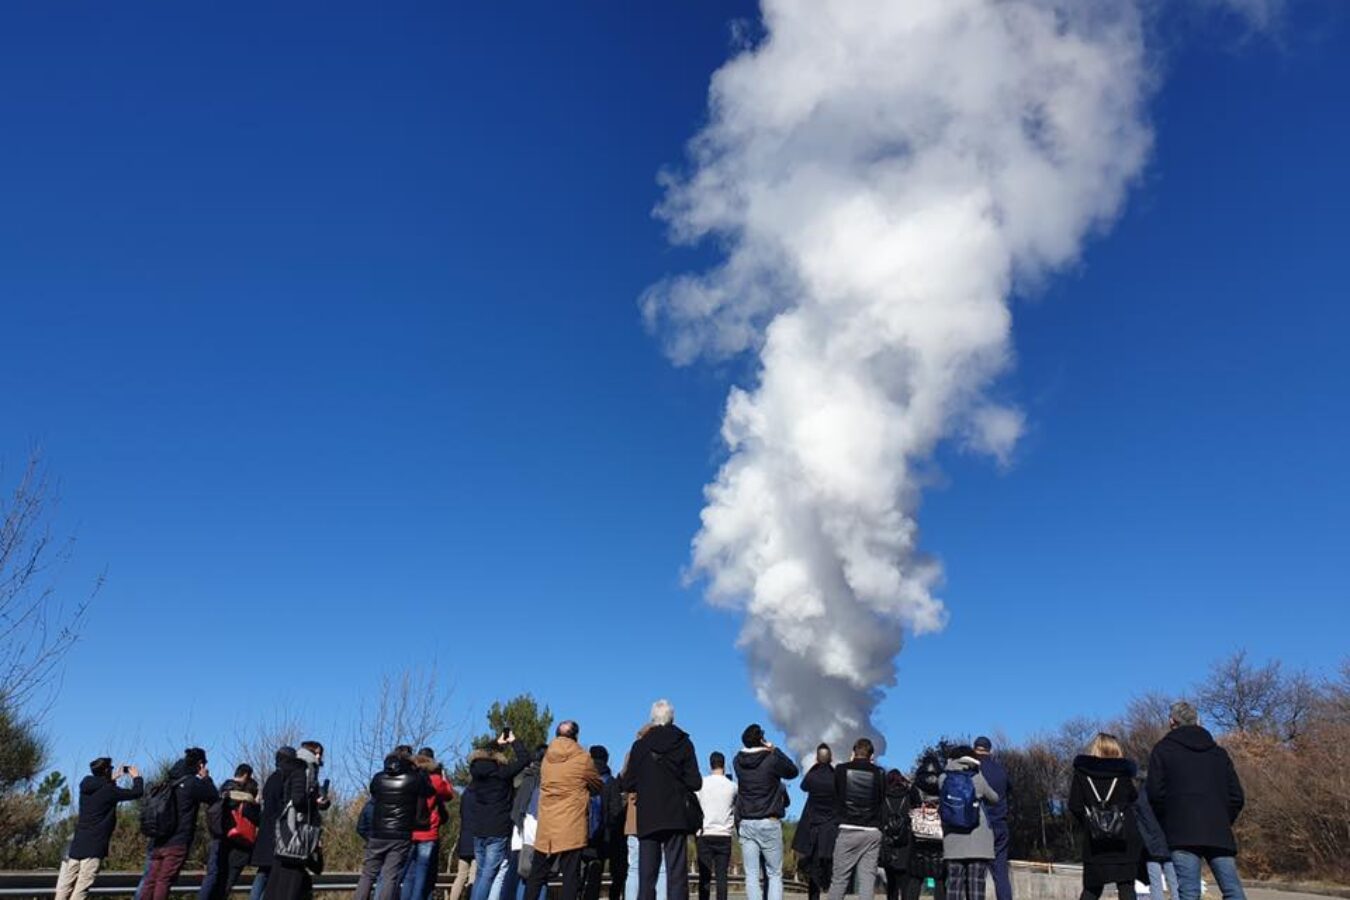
(99, 795)
(491, 775)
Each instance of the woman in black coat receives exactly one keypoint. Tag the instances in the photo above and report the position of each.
(1103, 782)
(273, 799)
(897, 840)
(294, 879)
(925, 855)
(819, 826)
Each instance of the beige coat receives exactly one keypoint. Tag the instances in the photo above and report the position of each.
(566, 781)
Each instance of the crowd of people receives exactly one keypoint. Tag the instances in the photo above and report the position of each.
(557, 811)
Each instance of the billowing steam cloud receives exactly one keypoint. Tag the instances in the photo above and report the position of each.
(882, 174)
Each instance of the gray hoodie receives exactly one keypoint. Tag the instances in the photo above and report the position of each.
(977, 844)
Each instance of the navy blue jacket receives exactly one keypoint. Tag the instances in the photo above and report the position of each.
(98, 815)
(998, 779)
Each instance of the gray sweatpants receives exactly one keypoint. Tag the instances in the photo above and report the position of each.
(384, 864)
(856, 848)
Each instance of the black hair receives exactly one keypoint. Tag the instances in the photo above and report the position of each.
(600, 753)
(194, 757)
(862, 748)
(716, 760)
(243, 770)
(101, 767)
(427, 752)
(752, 736)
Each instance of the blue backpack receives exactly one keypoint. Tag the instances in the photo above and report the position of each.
(596, 814)
(959, 807)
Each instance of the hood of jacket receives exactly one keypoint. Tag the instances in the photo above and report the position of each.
(563, 749)
(92, 784)
(963, 764)
(483, 762)
(1192, 737)
(1098, 767)
(665, 738)
(752, 757)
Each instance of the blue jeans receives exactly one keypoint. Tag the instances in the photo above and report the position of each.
(259, 882)
(630, 885)
(1188, 875)
(212, 870)
(762, 839)
(509, 884)
(416, 877)
(145, 876)
(490, 854)
(1156, 871)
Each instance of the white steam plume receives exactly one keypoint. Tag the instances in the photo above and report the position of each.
(881, 174)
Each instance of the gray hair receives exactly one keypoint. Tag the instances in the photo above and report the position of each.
(1183, 713)
(662, 712)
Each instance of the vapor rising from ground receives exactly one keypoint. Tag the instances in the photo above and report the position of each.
(882, 175)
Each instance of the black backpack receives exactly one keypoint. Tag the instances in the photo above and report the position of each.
(215, 819)
(1104, 821)
(159, 810)
(897, 827)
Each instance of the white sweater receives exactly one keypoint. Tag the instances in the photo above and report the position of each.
(718, 799)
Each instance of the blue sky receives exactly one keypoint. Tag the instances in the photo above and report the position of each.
(326, 320)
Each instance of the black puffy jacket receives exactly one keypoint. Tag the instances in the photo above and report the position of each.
(1194, 791)
(398, 793)
(860, 793)
(759, 774)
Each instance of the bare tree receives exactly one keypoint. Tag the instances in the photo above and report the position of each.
(257, 743)
(36, 627)
(1298, 700)
(1240, 695)
(1143, 724)
(410, 707)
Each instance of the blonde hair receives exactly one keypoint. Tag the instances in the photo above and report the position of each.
(1105, 746)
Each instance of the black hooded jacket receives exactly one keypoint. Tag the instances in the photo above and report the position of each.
(399, 793)
(273, 800)
(662, 784)
(1107, 861)
(190, 793)
(493, 780)
(1194, 791)
(760, 774)
(98, 815)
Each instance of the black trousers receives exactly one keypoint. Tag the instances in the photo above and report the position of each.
(714, 857)
(592, 872)
(1124, 889)
(818, 870)
(673, 847)
(569, 867)
(618, 867)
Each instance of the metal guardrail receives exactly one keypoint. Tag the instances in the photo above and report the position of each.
(110, 884)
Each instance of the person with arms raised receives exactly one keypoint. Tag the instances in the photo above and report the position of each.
(99, 795)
